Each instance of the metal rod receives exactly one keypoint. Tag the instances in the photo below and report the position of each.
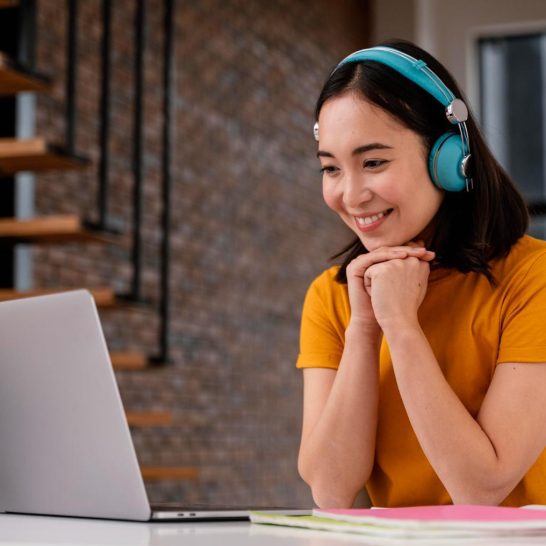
(102, 196)
(138, 146)
(27, 33)
(18, 114)
(166, 177)
(71, 75)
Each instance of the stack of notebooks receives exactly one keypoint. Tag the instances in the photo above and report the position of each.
(422, 523)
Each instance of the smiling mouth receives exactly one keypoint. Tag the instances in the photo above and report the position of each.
(367, 220)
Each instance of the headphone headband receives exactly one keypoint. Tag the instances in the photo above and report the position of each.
(418, 72)
(413, 69)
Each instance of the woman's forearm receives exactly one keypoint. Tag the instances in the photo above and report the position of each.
(455, 444)
(337, 456)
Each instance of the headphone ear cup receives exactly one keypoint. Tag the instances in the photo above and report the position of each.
(444, 163)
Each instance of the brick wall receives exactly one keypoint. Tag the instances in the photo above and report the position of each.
(249, 228)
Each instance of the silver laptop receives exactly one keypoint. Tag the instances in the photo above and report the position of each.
(65, 445)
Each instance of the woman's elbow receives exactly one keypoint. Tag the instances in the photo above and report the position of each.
(479, 498)
(326, 493)
(332, 498)
(484, 494)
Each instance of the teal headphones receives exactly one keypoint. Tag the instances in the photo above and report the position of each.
(449, 157)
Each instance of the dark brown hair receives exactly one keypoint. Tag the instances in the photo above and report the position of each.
(471, 228)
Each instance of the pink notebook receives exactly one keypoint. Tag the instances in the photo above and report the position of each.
(424, 524)
(432, 514)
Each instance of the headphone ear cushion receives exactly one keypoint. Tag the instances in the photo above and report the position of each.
(444, 163)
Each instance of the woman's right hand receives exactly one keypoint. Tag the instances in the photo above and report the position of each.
(362, 315)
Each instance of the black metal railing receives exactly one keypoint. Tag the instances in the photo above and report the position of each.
(27, 21)
(104, 162)
(26, 49)
(166, 186)
(138, 149)
(71, 75)
(135, 292)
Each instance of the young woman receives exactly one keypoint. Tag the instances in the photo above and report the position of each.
(425, 351)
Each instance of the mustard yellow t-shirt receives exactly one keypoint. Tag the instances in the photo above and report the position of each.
(471, 327)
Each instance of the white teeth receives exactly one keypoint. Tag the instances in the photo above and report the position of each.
(369, 219)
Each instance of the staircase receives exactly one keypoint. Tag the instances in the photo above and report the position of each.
(35, 155)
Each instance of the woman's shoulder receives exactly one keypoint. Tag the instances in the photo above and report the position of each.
(327, 289)
(327, 297)
(326, 281)
(527, 249)
(526, 254)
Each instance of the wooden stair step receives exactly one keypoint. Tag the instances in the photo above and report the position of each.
(130, 360)
(8, 3)
(50, 229)
(104, 297)
(153, 473)
(35, 154)
(15, 78)
(149, 418)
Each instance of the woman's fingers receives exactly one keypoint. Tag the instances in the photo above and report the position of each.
(359, 265)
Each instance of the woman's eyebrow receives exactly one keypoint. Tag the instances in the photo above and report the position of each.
(359, 150)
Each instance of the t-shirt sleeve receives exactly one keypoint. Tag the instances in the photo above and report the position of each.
(321, 334)
(523, 337)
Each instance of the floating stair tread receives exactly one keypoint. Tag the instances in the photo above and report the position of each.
(35, 154)
(50, 229)
(128, 360)
(15, 78)
(170, 473)
(149, 418)
(103, 296)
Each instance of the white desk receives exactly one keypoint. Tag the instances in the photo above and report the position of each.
(41, 531)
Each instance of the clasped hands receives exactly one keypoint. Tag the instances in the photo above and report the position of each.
(387, 285)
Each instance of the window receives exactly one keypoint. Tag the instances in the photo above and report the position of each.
(513, 112)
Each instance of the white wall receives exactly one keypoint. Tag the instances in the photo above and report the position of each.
(393, 19)
(449, 28)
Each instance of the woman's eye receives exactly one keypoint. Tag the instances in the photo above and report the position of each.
(374, 163)
(328, 169)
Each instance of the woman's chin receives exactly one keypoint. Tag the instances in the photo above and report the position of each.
(374, 244)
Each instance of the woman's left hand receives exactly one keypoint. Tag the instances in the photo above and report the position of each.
(397, 289)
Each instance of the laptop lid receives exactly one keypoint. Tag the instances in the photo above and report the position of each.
(65, 446)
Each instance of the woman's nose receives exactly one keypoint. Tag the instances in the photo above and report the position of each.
(355, 192)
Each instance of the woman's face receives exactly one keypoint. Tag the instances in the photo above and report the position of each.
(375, 173)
